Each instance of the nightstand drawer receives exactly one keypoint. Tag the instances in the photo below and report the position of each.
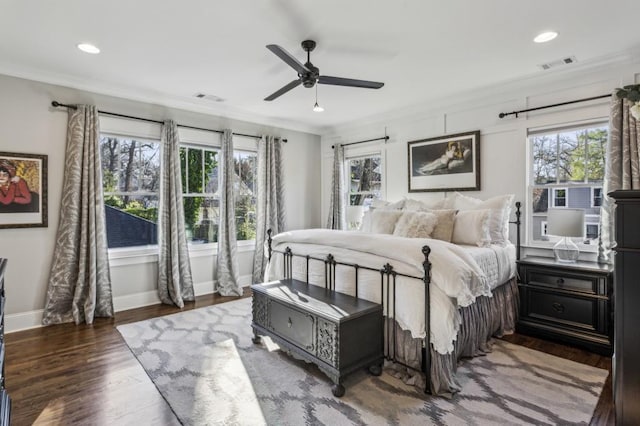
(562, 280)
(568, 311)
(296, 326)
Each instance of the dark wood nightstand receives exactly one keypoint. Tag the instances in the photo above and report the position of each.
(567, 302)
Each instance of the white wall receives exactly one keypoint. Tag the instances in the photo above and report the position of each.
(28, 124)
(502, 141)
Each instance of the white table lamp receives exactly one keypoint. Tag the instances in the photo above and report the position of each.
(354, 216)
(566, 223)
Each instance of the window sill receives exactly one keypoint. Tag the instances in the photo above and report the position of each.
(149, 254)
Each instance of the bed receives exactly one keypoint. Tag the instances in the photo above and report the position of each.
(449, 297)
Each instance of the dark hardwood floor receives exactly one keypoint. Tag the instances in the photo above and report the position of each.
(86, 375)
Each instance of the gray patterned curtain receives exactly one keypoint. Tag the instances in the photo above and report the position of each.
(174, 271)
(227, 271)
(622, 168)
(337, 219)
(270, 202)
(79, 286)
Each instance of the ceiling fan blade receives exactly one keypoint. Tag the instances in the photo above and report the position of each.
(282, 91)
(288, 58)
(339, 81)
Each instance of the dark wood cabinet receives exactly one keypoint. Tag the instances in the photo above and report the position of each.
(626, 359)
(567, 302)
(5, 401)
(337, 332)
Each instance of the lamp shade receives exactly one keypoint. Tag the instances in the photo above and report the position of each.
(354, 214)
(565, 222)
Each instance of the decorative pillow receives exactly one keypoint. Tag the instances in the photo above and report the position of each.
(416, 205)
(443, 230)
(384, 221)
(386, 205)
(415, 225)
(365, 225)
(472, 227)
(500, 207)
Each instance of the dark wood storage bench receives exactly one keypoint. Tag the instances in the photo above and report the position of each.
(337, 332)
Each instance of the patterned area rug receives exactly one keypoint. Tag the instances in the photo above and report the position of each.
(204, 364)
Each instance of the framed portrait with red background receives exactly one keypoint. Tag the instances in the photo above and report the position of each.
(23, 190)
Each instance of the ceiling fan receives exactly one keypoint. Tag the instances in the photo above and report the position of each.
(309, 75)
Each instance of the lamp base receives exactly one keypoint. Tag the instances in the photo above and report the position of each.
(566, 250)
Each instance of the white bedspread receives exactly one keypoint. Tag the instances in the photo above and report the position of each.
(497, 262)
(456, 277)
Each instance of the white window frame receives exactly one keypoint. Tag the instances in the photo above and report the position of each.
(543, 228)
(530, 242)
(354, 153)
(252, 151)
(131, 129)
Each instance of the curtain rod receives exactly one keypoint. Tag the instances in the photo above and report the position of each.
(148, 120)
(504, 114)
(368, 140)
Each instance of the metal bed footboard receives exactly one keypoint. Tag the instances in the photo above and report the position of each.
(387, 278)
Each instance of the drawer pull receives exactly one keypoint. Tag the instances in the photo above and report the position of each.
(559, 307)
(560, 281)
(289, 324)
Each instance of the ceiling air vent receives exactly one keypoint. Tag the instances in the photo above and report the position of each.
(212, 98)
(564, 61)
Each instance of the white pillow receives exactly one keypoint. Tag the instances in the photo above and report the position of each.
(500, 207)
(415, 225)
(416, 205)
(472, 227)
(384, 221)
(386, 205)
(365, 225)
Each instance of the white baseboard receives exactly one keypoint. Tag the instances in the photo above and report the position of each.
(33, 319)
(23, 321)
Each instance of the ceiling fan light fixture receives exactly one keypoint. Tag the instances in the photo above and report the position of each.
(88, 48)
(545, 37)
(316, 107)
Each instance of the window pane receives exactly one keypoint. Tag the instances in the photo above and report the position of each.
(540, 200)
(560, 197)
(571, 158)
(210, 172)
(201, 216)
(149, 167)
(131, 220)
(596, 144)
(128, 181)
(245, 164)
(194, 182)
(544, 159)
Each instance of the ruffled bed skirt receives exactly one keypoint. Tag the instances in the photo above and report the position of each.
(487, 317)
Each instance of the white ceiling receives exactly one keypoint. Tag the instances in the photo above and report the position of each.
(167, 51)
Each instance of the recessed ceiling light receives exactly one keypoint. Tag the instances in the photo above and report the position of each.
(88, 48)
(545, 37)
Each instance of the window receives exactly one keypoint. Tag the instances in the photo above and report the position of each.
(560, 197)
(200, 193)
(365, 180)
(364, 185)
(566, 169)
(596, 196)
(591, 231)
(131, 180)
(244, 187)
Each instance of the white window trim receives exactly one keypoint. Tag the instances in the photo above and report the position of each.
(543, 228)
(549, 128)
(356, 153)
